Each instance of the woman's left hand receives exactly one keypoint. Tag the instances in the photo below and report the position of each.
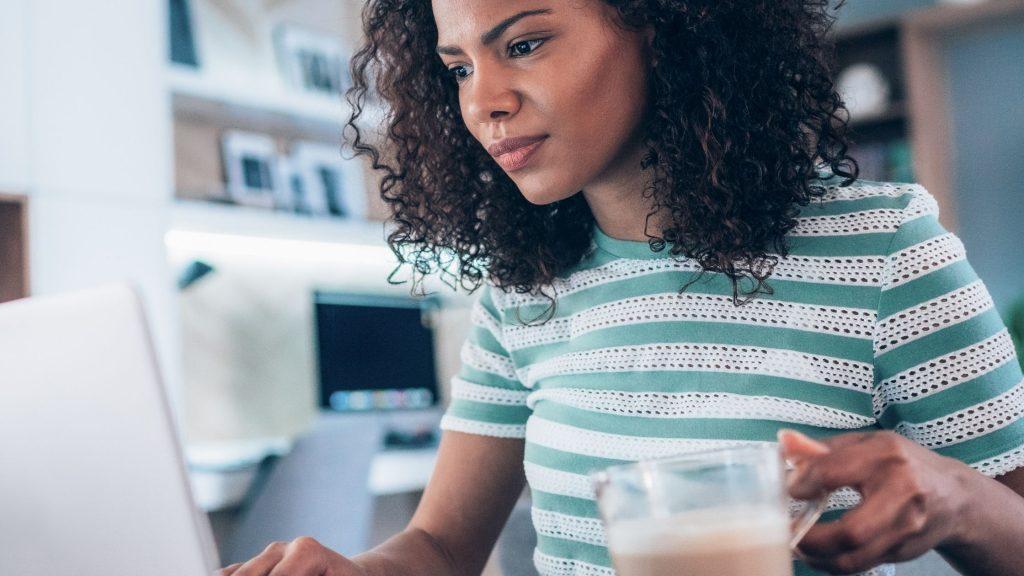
(913, 499)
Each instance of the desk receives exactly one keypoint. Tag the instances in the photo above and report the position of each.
(222, 472)
(324, 485)
(400, 471)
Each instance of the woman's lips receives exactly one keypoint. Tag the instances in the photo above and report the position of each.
(518, 158)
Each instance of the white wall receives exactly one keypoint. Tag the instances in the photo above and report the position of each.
(96, 135)
(86, 133)
(248, 328)
(13, 97)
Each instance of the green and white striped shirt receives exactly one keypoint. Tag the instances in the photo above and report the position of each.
(877, 321)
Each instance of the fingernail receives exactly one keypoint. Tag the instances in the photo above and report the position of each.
(798, 553)
(789, 443)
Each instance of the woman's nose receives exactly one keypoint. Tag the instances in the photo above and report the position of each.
(489, 97)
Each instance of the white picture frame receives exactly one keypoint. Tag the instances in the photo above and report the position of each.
(251, 168)
(296, 197)
(311, 61)
(333, 185)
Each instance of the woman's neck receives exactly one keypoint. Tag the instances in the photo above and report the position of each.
(618, 204)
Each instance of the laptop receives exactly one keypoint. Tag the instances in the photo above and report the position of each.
(92, 478)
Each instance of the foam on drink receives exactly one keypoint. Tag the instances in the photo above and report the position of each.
(709, 542)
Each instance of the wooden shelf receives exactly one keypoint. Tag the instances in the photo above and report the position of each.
(869, 28)
(215, 218)
(209, 229)
(205, 108)
(897, 112)
(199, 95)
(14, 278)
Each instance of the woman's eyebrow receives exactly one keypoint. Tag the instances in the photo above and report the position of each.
(493, 34)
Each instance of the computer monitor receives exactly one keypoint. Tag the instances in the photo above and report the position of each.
(375, 352)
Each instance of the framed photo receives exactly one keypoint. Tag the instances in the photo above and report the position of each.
(311, 61)
(331, 184)
(251, 165)
(287, 196)
(294, 194)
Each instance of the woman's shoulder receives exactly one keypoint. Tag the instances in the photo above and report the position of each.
(862, 207)
(878, 192)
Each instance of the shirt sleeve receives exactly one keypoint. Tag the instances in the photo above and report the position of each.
(486, 396)
(946, 372)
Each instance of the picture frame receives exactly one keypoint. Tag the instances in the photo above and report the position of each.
(251, 167)
(311, 61)
(289, 195)
(294, 195)
(333, 185)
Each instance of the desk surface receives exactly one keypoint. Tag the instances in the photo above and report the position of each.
(222, 472)
(398, 471)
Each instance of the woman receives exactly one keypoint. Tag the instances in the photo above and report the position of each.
(675, 254)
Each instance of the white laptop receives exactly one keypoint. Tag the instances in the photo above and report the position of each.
(92, 480)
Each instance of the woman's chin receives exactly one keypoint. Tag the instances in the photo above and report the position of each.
(543, 195)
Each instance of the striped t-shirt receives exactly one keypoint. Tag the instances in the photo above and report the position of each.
(877, 321)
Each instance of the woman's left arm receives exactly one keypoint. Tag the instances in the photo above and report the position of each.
(948, 391)
(914, 500)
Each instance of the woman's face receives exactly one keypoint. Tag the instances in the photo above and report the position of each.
(562, 74)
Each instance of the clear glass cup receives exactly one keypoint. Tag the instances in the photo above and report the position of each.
(710, 513)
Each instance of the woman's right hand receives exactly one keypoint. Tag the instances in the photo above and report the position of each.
(475, 485)
(303, 556)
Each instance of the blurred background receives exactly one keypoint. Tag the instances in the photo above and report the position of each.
(193, 146)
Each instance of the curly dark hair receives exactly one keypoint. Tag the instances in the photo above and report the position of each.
(742, 114)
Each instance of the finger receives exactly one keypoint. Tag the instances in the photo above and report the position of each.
(833, 565)
(847, 439)
(861, 559)
(262, 565)
(869, 534)
(877, 513)
(852, 464)
(802, 444)
(797, 446)
(228, 570)
(887, 547)
(297, 565)
(876, 551)
(303, 557)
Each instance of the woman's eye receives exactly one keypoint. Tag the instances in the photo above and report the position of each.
(458, 73)
(525, 47)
